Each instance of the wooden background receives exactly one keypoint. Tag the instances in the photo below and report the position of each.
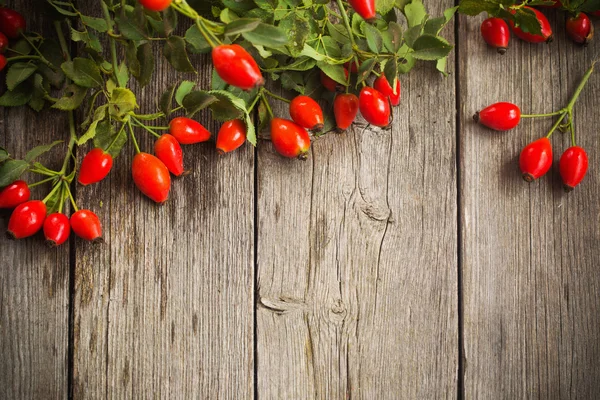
(407, 263)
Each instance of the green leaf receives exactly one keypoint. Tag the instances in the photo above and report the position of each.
(83, 71)
(39, 150)
(441, 65)
(431, 48)
(250, 130)
(384, 6)
(197, 101)
(176, 54)
(122, 102)
(228, 107)
(3, 155)
(183, 90)
(146, 59)
(374, 38)
(89, 134)
(12, 170)
(475, 7)
(123, 75)
(335, 72)
(129, 29)
(19, 72)
(72, 98)
(392, 37)
(198, 45)
(18, 97)
(108, 140)
(166, 100)
(266, 35)
(415, 13)
(98, 24)
(241, 25)
(365, 70)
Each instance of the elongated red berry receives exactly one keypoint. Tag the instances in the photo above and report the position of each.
(383, 86)
(96, 165)
(14, 194)
(12, 23)
(536, 159)
(3, 42)
(352, 66)
(232, 136)
(307, 113)
(151, 177)
(364, 8)
(188, 131)
(168, 150)
(545, 36)
(345, 109)
(580, 28)
(495, 32)
(289, 139)
(374, 107)
(237, 67)
(2, 62)
(573, 167)
(57, 229)
(27, 219)
(331, 85)
(155, 5)
(86, 225)
(501, 116)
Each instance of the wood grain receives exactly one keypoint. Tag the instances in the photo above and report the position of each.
(357, 257)
(529, 255)
(34, 280)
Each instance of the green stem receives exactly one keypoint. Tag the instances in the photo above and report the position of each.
(273, 95)
(22, 58)
(544, 115)
(347, 23)
(62, 41)
(147, 128)
(579, 89)
(42, 181)
(255, 101)
(267, 105)
(68, 189)
(556, 125)
(572, 129)
(38, 52)
(72, 142)
(113, 43)
(116, 137)
(50, 194)
(62, 199)
(45, 173)
(135, 143)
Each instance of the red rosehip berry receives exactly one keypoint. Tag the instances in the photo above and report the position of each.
(96, 165)
(168, 150)
(499, 116)
(307, 113)
(151, 177)
(331, 85)
(56, 229)
(14, 194)
(3, 62)
(352, 66)
(580, 28)
(545, 36)
(155, 5)
(3, 42)
(495, 32)
(374, 107)
(383, 86)
(27, 219)
(237, 67)
(289, 139)
(536, 159)
(86, 225)
(364, 8)
(573, 167)
(12, 23)
(232, 136)
(188, 131)
(345, 109)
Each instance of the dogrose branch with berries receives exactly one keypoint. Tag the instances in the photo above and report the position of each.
(347, 55)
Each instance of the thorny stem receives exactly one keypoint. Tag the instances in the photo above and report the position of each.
(113, 43)
(135, 144)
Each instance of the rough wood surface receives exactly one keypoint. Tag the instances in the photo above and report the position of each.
(34, 280)
(357, 257)
(530, 252)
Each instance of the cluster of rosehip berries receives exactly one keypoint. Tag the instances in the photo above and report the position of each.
(496, 33)
(11, 25)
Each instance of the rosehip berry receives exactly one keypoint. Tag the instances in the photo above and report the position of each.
(232, 136)
(96, 165)
(155, 5)
(86, 225)
(27, 219)
(499, 116)
(364, 8)
(352, 66)
(495, 32)
(307, 113)
(151, 177)
(12, 23)
(573, 167)
(56, 229)
(374, 107)
(536, 159)
(188, 131)
(345, 109)
(2, 62)
(580, 29)
(14, 194)
(331, 85)
(596, 13)
(545, 36)
(290, 140)
(383, 86)
(168, 150)
(237, 67)
(3, 42)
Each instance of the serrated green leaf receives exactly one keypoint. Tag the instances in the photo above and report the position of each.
(19, 72)
(39, 150)
(165, 103)
(98, 24)
(374, 38)
(183, 90)
(197, 101)
(122, 102)
(72, 98)
(431, 48)
(84, 72)
(176, 54)
(198, 45)
(18, 97)
(241, 25)
(266, 35)
(3, 155)
(89, 134)
(415, 13)
(12, 170)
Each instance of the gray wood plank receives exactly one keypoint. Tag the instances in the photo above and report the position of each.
(357, 257)
(529, 255)
(34, 280)
(165, 307)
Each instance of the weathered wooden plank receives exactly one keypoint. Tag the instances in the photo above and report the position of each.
(165, 307)
(529, 254)
(34, 280)
(357, 264)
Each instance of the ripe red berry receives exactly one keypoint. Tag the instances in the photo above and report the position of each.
(545, 36)
(345, 109)
(155, 5)
(352, 66)
(573, 167)
(27, 219)
(580, 28)
(86, 225)
(374, 107)
(3, 42)
(290, 140)
(331, 85)
(96, 165)
(14, 194)
(536, 159)
(12, 23)
(383, 86)
(57, 229)
(168, 150)
(495, 32)
(237, 67)
(2, 62)
(188, 131)
(307, 113)
(231, 136)
(499, 116)
(151, 177)
(364, 8)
